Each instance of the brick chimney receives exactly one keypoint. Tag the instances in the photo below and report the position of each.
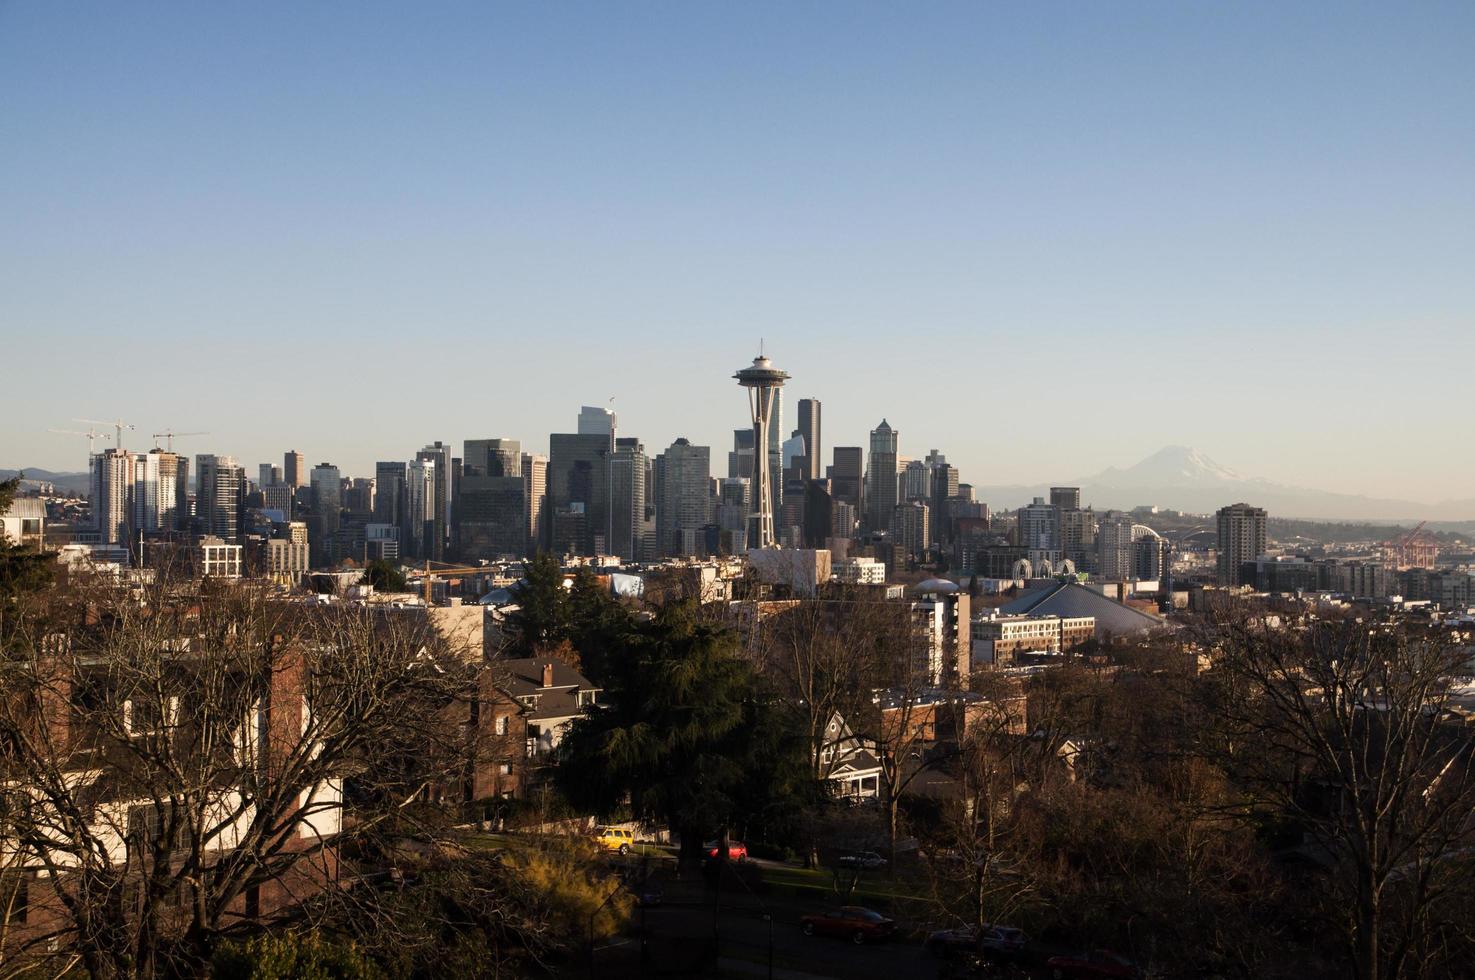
(548, 674)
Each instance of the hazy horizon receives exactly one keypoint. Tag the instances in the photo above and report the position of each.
(1044, 241)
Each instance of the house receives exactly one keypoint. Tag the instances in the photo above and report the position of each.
(852, 770)
(551, 693)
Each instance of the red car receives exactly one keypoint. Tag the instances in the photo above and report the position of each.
(851, 921)
(736, 850)
(1097, 963)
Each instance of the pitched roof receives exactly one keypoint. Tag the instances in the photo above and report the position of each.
(1070, 599)
(523, 679)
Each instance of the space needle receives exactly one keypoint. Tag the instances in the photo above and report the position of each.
(761, 380)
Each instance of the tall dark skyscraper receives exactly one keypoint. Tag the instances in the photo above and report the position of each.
(578, 490)
(809, 428)
(881, 482)
(491, 516)
(389, 493)
(847, 476)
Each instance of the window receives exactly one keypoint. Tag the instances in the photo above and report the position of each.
(505, 769)
(502, 724)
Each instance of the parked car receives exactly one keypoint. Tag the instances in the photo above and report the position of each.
(859, 925)
(1000, 942)
(1096, 963)
(869, 860)
(736, 850)
(614, 839)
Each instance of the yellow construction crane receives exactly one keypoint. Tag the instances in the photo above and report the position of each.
(449, 571)
(170, 434)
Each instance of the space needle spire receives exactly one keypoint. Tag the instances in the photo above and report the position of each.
(761, 380)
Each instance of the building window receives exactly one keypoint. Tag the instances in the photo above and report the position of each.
(502, 724)
(505, 769)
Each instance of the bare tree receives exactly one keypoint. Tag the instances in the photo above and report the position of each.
(183, 759)
(1345, 728)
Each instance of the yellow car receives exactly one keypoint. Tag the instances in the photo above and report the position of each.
(614, 839)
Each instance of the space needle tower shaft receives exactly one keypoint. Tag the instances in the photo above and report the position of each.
(762, 380)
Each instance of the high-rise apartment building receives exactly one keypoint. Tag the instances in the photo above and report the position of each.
(1116, 556)
(220, 494)
(881, 477)
(1037, 529)
(916, 481)
(684, 473)
(809, 429)
(910, 530)
(112, 496)
(173, 492)
(294, 469)
(1065, 498)
(1241, 539)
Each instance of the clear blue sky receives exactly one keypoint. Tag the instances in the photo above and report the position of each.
(1044, 238)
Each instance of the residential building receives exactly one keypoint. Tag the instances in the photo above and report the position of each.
(552, 695)
(910, 530)
(1116, 555)
(1037, 528)
(1242, 539)
(682, 508)
(998, 638)
(220, 496)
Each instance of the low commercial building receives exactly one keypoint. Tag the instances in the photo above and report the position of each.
(860, 570)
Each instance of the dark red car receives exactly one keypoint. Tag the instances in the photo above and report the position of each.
(851, 922)
(1096, 963)
(736, 850)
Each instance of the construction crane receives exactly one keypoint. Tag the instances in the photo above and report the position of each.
(117, 424)
(169, 434)
(449, 570)
(1416, 549)
(92, 436)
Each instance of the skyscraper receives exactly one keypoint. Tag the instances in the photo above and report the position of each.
(1241, 539)
(491, 516)
(809, 428)
(1037, 530)
(219, 496)
(764, 383)
(1065, 498)
(418, 533)
(173, 502)
(535, 500)
(944, 488)
(1115, 553)
(685, 471)
(389, 494)
(881, 477)
(847, 476)
(440, 504)
(596, 421)
(327, 510)
(631, 514)
(112, 496)
(578, 484)
(294, 469)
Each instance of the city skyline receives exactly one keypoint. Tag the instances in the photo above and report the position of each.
(1224, 218)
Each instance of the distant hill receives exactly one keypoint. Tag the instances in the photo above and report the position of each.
(77, 482)
(1182, 478)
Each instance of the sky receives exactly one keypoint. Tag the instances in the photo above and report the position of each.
(1044, 238)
